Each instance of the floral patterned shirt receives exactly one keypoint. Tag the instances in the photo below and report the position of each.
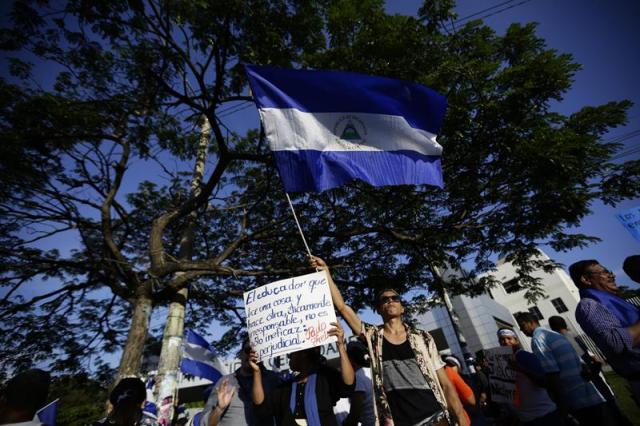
(427, 357)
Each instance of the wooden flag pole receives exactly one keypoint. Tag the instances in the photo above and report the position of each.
(304, 240)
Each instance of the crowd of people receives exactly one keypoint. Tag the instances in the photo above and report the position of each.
(393, 375)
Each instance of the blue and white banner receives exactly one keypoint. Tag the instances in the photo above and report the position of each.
(199, 358)
(327, 128)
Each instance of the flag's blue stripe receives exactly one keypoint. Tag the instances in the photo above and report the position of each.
(337, 91)
(199, 369)
(196, 339)
(317, 171)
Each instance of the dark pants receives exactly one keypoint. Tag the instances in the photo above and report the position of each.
(594, 415)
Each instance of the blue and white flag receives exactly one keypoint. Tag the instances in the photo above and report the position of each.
(48, 413)
(327, 128)
(199, 358)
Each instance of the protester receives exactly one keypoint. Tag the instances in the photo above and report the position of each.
(481, 380)
(561, 364)
(23, 396)
(465, 393)
(230, 404)
(410, 384)
(361, 411)
(591, 368)
(310, 398)
(611, 322)
(533, 404)
(631, 267)
(126, 401)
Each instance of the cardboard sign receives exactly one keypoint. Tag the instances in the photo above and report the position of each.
(502, 378)
(631, 220)
(289, 315)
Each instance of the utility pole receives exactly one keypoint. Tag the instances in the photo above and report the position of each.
(171, 352)
(453, 316)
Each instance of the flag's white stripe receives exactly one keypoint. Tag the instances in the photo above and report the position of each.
(294, 130)
(199, 354)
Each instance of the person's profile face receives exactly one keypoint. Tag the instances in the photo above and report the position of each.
(600, 278)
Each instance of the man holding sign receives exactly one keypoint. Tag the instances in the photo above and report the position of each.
(410, 384)
(310, 398)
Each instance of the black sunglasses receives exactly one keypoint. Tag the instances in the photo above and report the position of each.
(388, 299)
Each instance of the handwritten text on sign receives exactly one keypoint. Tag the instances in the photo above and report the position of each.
(289, 315)
(502, 377)
(631, 220)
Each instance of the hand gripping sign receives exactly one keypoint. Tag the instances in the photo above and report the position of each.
(289, 315)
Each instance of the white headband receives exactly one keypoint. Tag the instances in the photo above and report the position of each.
(507, 332)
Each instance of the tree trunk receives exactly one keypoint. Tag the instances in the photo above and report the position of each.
(131, 360)
(171, 352)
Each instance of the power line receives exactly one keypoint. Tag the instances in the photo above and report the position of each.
(482, 11)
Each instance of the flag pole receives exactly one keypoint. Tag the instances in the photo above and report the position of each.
(304, 240)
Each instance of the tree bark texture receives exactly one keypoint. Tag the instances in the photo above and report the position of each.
(133, 350)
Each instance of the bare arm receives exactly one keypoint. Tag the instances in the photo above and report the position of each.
(346, 369)
(257, 391)
(338, 302)
(455, 406)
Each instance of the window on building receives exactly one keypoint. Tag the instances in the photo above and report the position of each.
(512, 286)
(439, 338)
(559, 305)
(536, 312)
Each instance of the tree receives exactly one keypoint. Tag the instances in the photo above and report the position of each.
(132, 82)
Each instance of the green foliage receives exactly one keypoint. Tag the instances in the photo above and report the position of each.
(82, 399)
(133, 81)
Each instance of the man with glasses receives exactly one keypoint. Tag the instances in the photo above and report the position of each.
(611, 322)
(409, 381)
(230, 401)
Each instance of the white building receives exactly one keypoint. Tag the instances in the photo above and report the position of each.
(479, 318)
(561, 299)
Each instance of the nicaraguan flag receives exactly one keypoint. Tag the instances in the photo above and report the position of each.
(199, 358)
(48, 413)
(326, 128)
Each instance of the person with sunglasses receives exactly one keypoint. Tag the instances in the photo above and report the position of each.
(230, 404)
(409, 380)
(609, 320)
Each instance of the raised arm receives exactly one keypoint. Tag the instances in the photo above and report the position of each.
(346, 369)
(257, 391)
(338, 302)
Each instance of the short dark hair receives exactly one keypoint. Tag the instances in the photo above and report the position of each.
(28, 390)
(525, 317)
(631, 267)
(358, 352)
(557, 323)
(578, 269)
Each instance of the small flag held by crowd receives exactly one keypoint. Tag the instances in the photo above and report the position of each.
(48, 413)
(327, 128)
(199, 358)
